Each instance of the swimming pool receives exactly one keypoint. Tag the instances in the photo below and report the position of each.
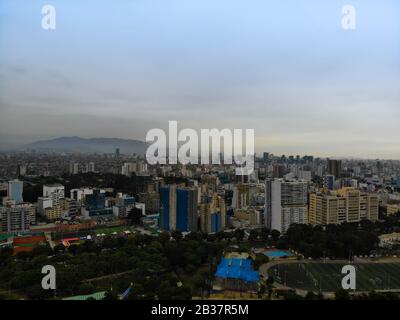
(277, 254)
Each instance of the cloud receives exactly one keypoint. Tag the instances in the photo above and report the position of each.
(304, 84)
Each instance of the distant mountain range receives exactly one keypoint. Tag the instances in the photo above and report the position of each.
(93, 145)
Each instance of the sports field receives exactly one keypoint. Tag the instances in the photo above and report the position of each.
(327, 276)
(110, 230)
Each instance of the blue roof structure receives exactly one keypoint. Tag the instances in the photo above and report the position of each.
(237, 269)
(126, 293)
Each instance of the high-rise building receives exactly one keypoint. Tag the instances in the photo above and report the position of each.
(73, 168)
(212, 213)
(21, 170)
(178, 208)
(393, 208)
(279, 170)
(15, 218)
(72, 208)
(151, 200)
(335, 168)
(329, 182)
(167, 206)
(56, 192)
(128, 168)
(90, 167)
(285, 203)
(209, 182)
(305, 175)
(326, 209)
(96, 200)
(353, 203)
(255, 217)
(15, 190)
(80, 194)
(345, 205)
(95, 205)
(44, 203)
(54, 212)
(241, 196)
(349, 183)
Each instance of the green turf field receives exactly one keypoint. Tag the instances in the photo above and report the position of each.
(110, 230)
(328, 277)
(92, 232)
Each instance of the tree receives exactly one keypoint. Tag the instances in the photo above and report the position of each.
(262, 290)
(59, 248)
(5, 254)
(86, 288)
(342, 294)
(264, 233)
(44, 250)
(270, 280)
(110, 295)
(195, 236)
(164, 236)
(135, 216)
(220, 235)
(311, 296)
(177, 235)
(253, 236)
(211, 237)
(292, 295)
(275, 234)
(239, 234)
(260, 260)
(24, 255)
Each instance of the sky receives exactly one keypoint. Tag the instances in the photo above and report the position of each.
(284, 68)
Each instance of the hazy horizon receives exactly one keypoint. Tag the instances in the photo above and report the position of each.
(287, 70)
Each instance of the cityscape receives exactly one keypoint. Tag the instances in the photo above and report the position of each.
(115, 227)
(199, 157)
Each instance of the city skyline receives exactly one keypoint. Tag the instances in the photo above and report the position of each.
(302, 82)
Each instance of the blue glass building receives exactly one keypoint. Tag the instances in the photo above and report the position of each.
(95, 204)
(178, 209)
(216, 223)
(329, 182)
(164, 208)
(15, 190)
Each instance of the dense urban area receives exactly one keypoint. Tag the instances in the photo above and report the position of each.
(115, 227)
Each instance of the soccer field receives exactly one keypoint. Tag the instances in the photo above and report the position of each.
(110, 230)
(328, 277)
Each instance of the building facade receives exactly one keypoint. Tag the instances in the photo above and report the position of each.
(15, 191)
(178, 208)
(285, 203)
(16, 218)
(212, 213)
(345, 205)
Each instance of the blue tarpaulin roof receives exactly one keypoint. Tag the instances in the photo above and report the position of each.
(126, 293)
(237, 269)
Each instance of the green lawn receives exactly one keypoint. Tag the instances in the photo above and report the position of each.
(328, 277)
(111, 230)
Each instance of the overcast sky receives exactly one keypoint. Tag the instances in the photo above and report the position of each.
(285, 68)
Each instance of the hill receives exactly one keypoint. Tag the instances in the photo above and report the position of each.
(92, 145)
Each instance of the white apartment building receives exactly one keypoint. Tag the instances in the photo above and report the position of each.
(285, 203)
